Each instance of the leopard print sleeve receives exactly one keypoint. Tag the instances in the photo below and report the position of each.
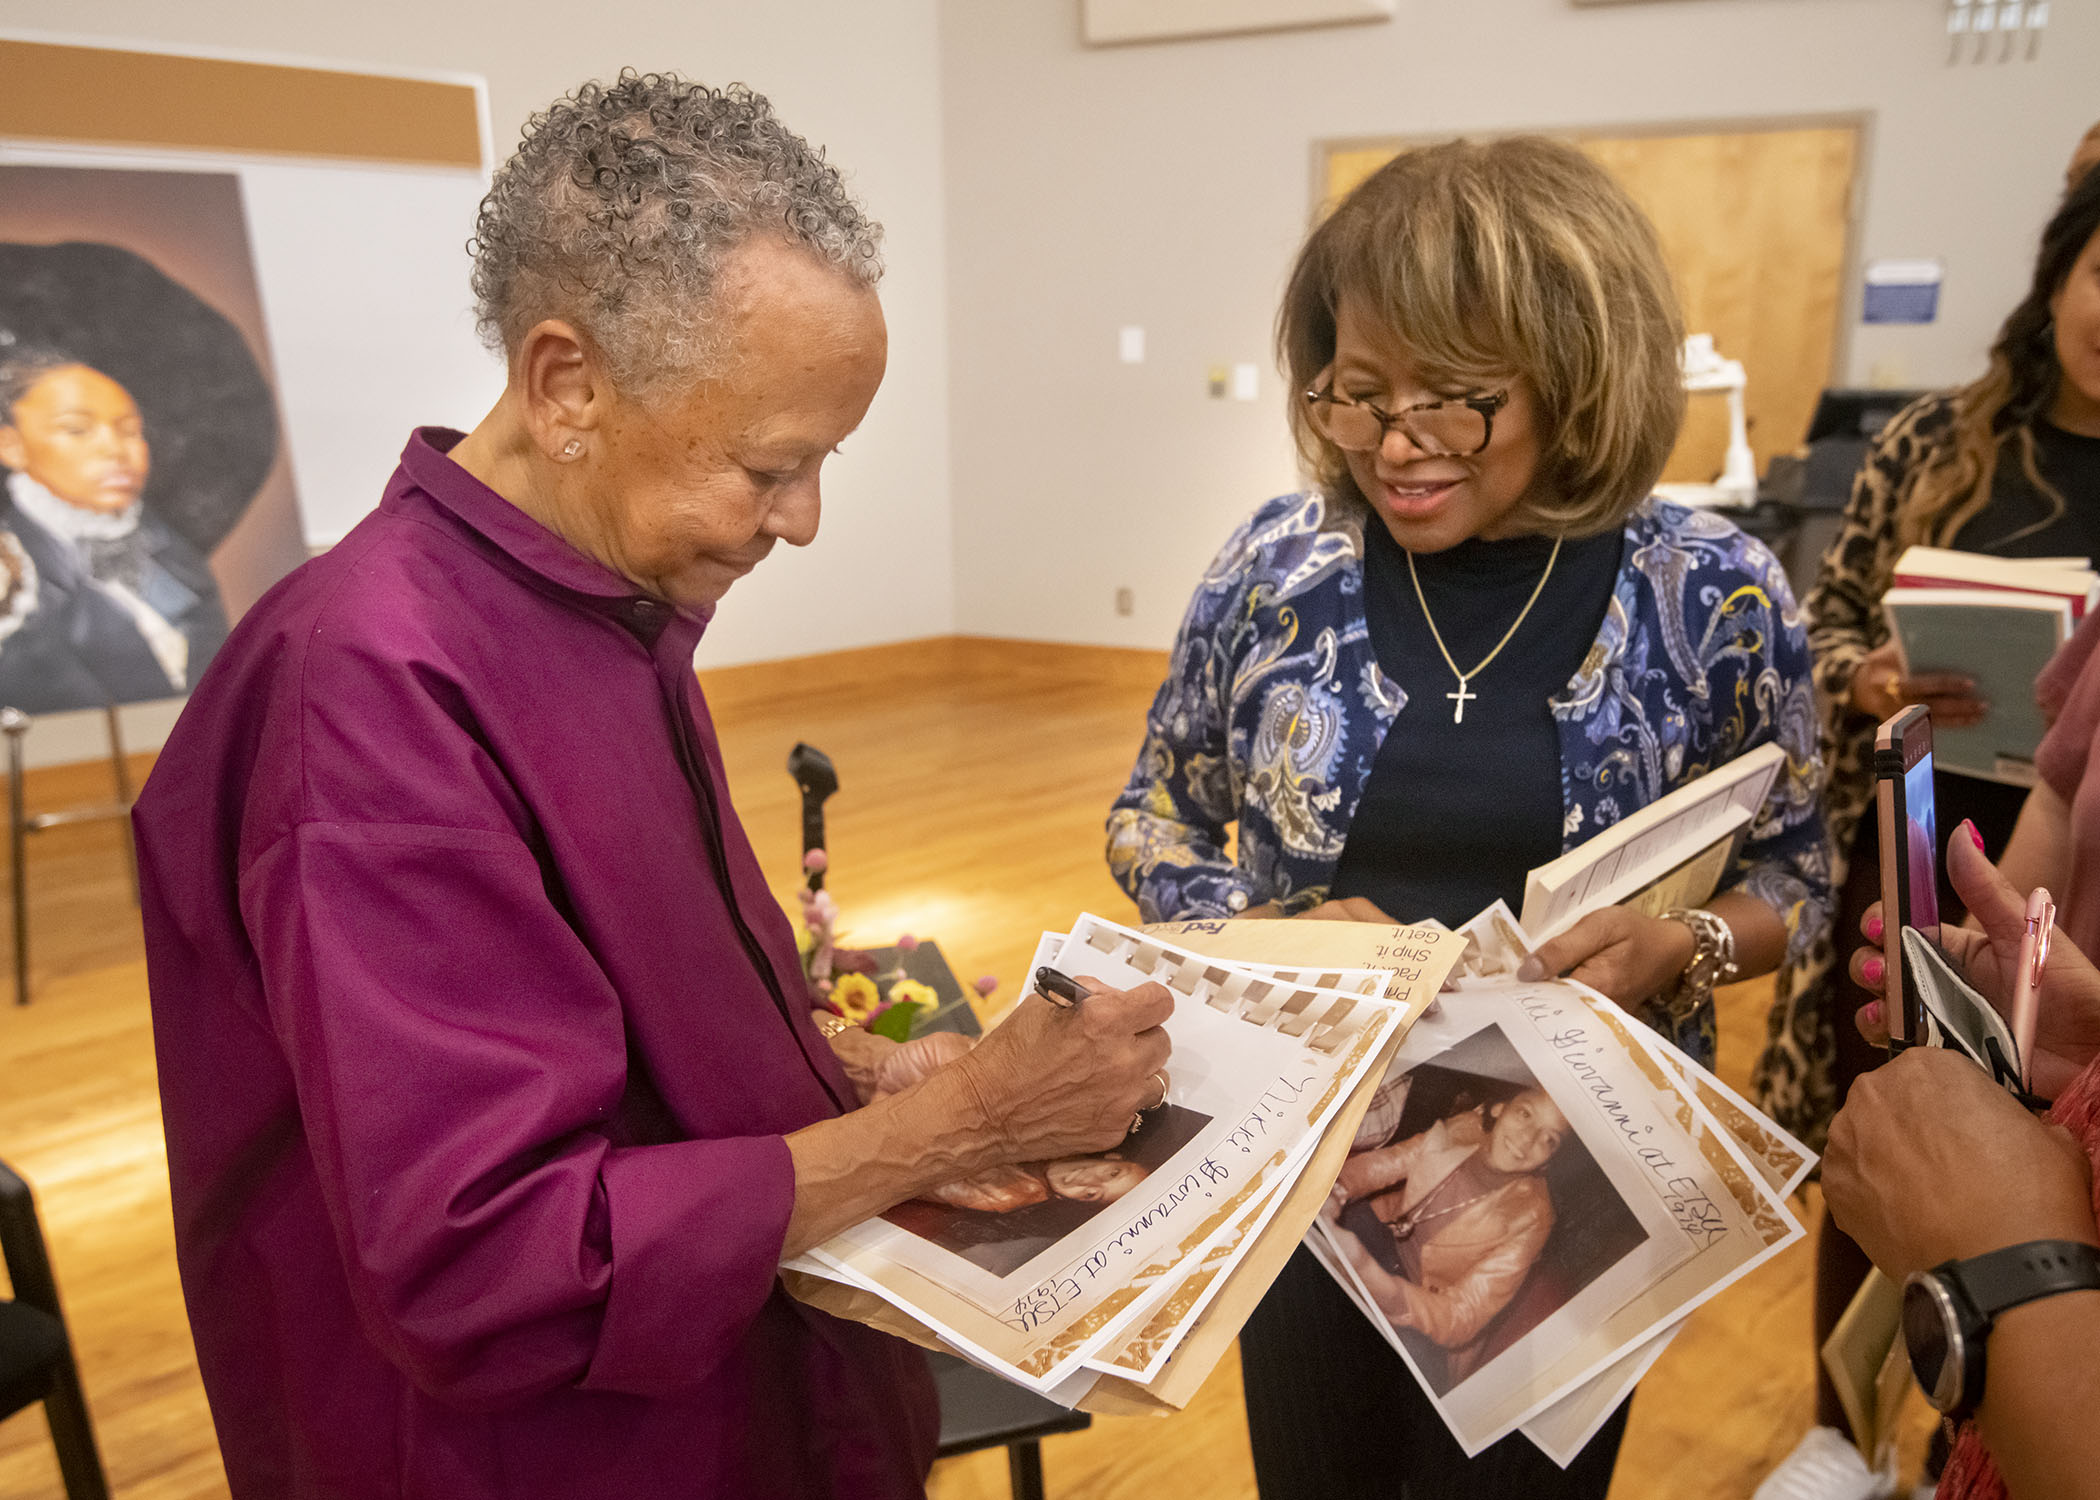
(1844, 607)
(1793, 1080)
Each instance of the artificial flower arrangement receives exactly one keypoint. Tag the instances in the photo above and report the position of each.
(895, 992)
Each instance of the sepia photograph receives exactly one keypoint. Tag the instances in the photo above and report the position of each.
(1470, 1211)
(1001, 1219)
(1496, 945)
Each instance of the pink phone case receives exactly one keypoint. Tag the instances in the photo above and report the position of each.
(2027, 983)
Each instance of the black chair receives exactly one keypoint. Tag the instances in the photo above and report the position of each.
(36, 1356)
(979, 1410)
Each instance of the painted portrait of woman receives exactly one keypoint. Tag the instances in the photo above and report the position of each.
(125, 608)
(145, 499)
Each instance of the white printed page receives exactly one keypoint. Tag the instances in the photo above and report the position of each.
(1259, 1066)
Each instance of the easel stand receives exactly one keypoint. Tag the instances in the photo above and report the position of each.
(20, 824)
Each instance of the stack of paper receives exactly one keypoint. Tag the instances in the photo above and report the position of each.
(1557, 1189)
(1116, 1282)
(1525, 1190)
(1996, 620)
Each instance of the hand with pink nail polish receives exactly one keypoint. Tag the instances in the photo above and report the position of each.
(2067, 1030)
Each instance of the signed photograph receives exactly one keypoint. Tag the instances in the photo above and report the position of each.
(1533, 1197)
(1039, 1268)
(1478, 1213)
(1001, 1219)
(145, 496)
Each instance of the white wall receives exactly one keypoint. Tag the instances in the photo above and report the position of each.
(1039, 195)
(1168, 185)
(860, 77)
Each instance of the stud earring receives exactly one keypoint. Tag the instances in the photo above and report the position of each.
(573, 448)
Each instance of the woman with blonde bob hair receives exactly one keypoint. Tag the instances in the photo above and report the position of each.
(1472, 643)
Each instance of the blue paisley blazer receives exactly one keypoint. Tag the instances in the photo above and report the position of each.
(1274, 709)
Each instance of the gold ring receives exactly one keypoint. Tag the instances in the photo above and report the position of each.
(1895, 687)
(1162, 1077)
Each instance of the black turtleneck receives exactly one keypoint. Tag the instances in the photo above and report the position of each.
(2022, 522)
(1455, 814)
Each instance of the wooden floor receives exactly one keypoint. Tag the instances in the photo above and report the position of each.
(975, 776)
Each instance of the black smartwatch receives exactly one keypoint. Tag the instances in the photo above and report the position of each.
(1948, 1311)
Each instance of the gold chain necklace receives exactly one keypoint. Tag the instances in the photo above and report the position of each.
(1461, 698)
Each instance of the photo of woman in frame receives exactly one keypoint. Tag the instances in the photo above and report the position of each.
(1481, 1212)
(1002, 1219)
(145, 496)
(125, 608)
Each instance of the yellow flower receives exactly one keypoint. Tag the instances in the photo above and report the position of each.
(855, 997)
(911, 989)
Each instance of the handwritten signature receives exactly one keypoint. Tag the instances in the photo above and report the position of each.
(1690, 1205)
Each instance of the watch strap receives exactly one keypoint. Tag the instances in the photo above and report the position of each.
(2022, 1273)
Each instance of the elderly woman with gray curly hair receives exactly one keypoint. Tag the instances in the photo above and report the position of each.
(493, 1094)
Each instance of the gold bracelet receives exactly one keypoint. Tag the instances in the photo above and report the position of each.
(830, 1024)
(1713, 962)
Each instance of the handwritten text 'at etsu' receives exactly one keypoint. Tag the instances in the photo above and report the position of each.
(1689, 1203)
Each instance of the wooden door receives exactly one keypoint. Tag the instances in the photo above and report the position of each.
(1755, 225)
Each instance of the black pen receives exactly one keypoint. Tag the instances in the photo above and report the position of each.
(1061, 990)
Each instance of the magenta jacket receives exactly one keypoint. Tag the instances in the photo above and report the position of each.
(478, 1034)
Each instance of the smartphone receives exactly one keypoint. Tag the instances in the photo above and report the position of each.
(1910, 865)
(2027, 983)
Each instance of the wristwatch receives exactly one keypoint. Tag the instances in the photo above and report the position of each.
(1948, 1311)
(1713, 961)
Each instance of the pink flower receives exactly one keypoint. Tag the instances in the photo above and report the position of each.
(906, 943)
(986, 985)
(816, 861)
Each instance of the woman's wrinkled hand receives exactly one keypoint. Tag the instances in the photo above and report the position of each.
(1050, 1082)
(878, 1067)
(917, 1060)
(1931, 1161)
(1627, 956)
(2067, 1018)
(1880, 688)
